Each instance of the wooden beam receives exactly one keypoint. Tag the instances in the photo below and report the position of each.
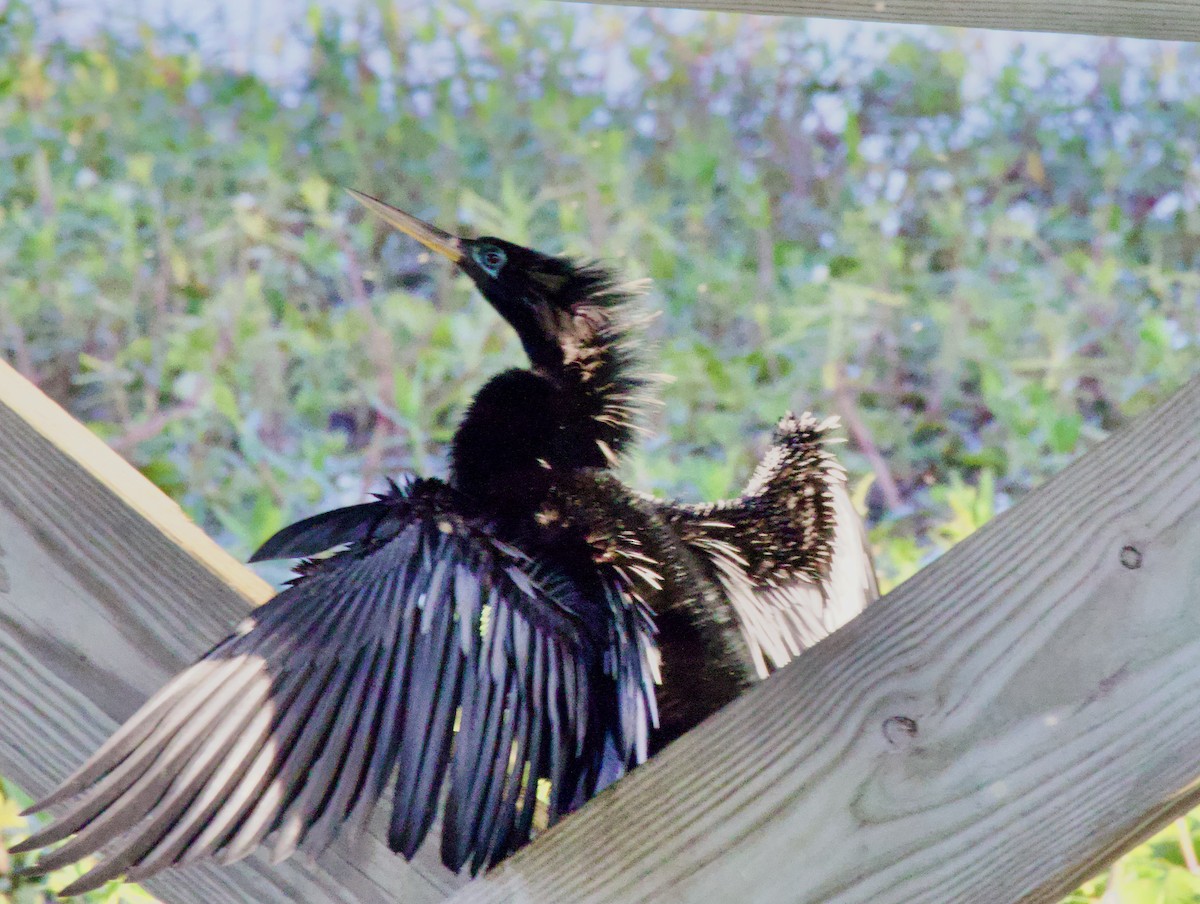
(996, 730)
(1168, 20)
(106, 590)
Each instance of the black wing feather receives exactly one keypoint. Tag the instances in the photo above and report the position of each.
(315, 535)
(353, 676)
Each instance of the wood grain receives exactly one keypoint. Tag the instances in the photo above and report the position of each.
(995, 730)
(1168, 20)
(107, 589)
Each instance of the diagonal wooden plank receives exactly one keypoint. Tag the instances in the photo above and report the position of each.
(106, 589)
(1167, 20)
(995, 730)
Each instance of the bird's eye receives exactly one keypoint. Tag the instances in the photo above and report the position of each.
(490, 258)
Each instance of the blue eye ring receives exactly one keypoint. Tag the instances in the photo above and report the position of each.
(490, 258)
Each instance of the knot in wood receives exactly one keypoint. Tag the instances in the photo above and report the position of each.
(1131, 557)
(899, 730)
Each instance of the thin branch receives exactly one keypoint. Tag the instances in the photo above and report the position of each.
(1187, 846)
(848, 408)
(149, 428)
(379, 347)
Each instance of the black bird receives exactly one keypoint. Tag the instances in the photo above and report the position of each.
(531, 622)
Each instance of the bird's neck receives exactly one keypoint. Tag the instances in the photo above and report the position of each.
(526, 428)
(598, 378)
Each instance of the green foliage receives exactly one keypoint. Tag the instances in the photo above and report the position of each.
(1158, 872)
(42, 890)
(983, 279)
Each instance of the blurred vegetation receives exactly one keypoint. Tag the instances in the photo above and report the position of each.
(36, 890)
(983, 269)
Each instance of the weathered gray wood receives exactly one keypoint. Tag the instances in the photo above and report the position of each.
(1170, 20)
(106, 589)
(994, 731)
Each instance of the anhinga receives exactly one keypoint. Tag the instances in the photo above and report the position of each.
(529, 621)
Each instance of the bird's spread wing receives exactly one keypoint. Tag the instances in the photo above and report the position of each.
(357, 676)
(790, 553)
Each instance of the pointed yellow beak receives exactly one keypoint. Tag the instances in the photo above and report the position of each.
(431, 237)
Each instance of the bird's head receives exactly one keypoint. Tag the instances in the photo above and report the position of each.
(557, 306)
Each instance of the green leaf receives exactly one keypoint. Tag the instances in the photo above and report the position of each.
(225, 402)
(315, 191)
(1064, 433)
(140, 168)
(852, 138)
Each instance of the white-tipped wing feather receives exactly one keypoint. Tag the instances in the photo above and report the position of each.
(353, 678)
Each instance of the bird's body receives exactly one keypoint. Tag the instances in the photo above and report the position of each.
(529, 622)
